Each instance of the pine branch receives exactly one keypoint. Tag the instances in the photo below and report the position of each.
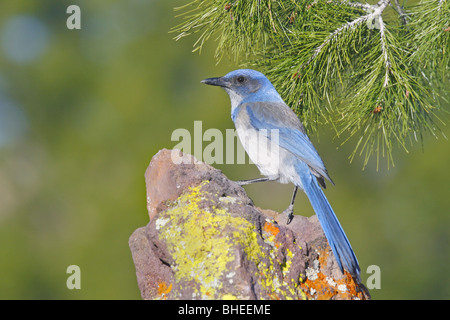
(374, 77)
(400, 12)
(375, 14)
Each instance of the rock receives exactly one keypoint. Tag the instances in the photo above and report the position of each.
(207, 240)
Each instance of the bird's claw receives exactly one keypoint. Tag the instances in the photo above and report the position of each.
(290, 218)
(290, 213)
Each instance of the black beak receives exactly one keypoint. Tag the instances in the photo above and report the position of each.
(220, 82)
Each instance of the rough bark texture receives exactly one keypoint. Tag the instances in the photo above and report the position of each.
(207, 240)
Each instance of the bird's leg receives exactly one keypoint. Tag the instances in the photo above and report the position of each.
(244, 182)
(290, 209)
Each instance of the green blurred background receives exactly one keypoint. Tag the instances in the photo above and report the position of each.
(83, 111)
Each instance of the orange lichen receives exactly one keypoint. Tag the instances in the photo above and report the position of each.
(323, 287)
(323, 257)
(319, 288)
(163, 290)
(353, 290)
(271, 229)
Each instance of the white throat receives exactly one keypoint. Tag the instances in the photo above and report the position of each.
(235, 98)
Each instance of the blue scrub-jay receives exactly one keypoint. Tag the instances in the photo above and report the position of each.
(262, 118)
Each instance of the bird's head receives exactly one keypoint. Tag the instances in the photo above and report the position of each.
(245, 85)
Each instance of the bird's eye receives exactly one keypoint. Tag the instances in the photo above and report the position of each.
(240, 79)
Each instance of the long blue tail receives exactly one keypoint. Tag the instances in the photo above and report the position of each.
(330, 224)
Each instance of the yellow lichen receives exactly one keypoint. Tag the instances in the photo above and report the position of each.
(199, 249)
(202, 243)
(287, 265)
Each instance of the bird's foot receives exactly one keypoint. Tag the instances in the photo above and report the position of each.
(240, 182)
(290, 213)
(245, 182)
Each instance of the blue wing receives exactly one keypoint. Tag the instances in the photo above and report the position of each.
(292, 136)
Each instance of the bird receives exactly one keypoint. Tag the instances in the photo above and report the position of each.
(276, 142)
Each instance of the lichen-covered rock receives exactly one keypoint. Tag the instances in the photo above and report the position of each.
(206, 240)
